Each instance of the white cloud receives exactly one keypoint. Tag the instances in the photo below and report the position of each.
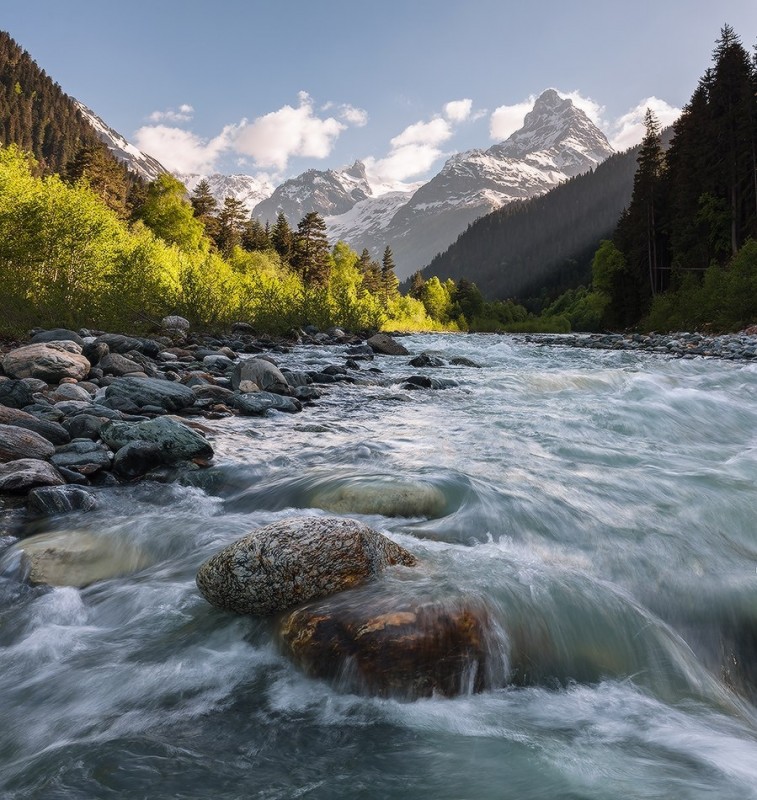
(182, 114)
(274, 138)
(354, 116)
(183, 151)
(628, 129)
(412, 152)
(458, 110)
(508, 119)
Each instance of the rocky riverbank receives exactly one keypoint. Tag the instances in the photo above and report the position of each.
(733, 347)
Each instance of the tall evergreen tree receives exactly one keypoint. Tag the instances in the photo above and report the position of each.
(312, 257)
(202, 200)
(105, 176)
(255, 236)
(389, 282)
(232, 219)
(282, 238)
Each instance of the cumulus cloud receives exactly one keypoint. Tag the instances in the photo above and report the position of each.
(413, 151)
(181, 114)
(508, 119)
(458, 110)
(274, 138)
(183, 151)
(628, 129)
(352, 115)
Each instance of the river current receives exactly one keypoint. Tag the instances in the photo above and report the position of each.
(602, 503)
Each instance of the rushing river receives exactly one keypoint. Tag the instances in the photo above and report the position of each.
(603, 504)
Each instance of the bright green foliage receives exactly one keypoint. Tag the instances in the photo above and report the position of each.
(168, 214)
(725, 299)
(66, 259)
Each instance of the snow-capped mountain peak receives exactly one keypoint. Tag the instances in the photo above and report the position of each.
(135, 160)
(247, 188)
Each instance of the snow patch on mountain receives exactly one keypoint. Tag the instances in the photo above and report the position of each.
(135, 160)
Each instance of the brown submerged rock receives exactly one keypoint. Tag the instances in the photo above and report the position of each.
(296, 560)
(389, 646)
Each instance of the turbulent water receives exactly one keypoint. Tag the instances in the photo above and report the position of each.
(602, 504)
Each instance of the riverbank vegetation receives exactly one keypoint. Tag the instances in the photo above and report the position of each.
(67, 257)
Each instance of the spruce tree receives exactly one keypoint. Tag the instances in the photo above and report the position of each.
(282, 238)
(231, 225)
(202, 200)
(255, 236)
(389, 282)
(312, 257)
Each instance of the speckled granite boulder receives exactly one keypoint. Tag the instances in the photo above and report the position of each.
(290, 562)
(48, 361)
(374, 641)
(17, 442)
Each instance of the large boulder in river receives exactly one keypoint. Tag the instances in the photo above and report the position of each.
(76, 558)
(383, 343)
(381, 495)
(374, 642)
(262, 373)
(295, 560)
(129, 394)
(48, 361)
(16, 442)
(178, 442)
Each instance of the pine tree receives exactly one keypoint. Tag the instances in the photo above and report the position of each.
(255, 236)
(312, 257)
(232, 220)
(282, 238)
(417, 283)
(389, 282)
(106, 177)
(202, 200)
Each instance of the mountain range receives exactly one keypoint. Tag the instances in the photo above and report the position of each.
(557, 142)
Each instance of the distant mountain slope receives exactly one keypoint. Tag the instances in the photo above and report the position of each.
(36, 114)
(130, 156)
(545, 243)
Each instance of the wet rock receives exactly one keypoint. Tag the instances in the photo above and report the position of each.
(135, 393)
(217, 363)
(20, 443)
(426, 360)
(290, 562)
(70, 391)
(461, 361)
(83, 456)
(84, 426)
(258, 403)
(268, 377)
(425, 382)
(15, 394)
(117, 343)
(306, 393)
(209, 391)
(389, 497)
(25, 473)
(297, 379)
(119, 365)
(390, 646)
(57, 335)
(48, 361)
(383, 343)
(54, 433)
(177, 441)
(50, 500)
(77, 558)
(137, 458)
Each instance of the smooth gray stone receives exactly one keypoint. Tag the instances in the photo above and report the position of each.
(49, 500)
(257, 403)
(178, 442)
(57, 335)
(24, 473)
(125, 393)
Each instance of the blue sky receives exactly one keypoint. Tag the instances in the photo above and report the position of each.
(275, 88)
